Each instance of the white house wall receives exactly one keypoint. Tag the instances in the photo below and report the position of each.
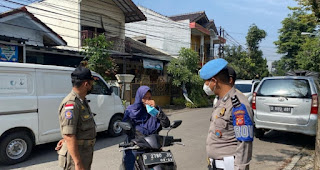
(161, 32)
(61, 16)
(113, 19)
(21, 28)
(64, 18)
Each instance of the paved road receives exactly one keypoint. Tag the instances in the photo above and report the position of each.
(271, 152)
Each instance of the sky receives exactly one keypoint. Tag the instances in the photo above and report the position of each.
(235, 16)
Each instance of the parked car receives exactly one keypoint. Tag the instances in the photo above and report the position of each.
(287, 104)
(30, 96)
(247, 87)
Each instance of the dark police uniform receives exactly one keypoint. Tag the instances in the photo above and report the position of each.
(230, 135)
(77, 119)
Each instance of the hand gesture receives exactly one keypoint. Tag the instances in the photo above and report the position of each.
(150, 102)
(59, 145)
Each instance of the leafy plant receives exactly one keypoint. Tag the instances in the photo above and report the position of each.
(179, 101)
(96, 51)
(184, 70)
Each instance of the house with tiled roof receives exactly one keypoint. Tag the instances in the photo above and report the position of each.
(161, 32)
(20, 32)
(170, 34)
(204, 34)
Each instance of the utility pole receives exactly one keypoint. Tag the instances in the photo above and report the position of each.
(222, 50)
(220, 43)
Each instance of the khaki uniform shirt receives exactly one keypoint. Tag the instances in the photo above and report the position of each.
(76, 117)
(226, 144)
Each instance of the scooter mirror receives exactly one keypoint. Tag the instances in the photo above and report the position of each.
(176, 123)
(125, 125)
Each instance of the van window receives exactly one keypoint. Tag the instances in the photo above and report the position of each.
(295, 88)
(99, 87)
(244, 88)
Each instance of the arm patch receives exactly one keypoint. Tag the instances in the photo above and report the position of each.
(242, 123)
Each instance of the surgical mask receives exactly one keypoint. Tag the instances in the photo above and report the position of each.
(207, 89)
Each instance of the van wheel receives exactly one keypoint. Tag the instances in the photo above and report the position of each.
(258, 133)
(15, 148)
(114, 129)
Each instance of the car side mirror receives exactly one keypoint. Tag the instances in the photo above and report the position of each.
(109, 91)
(175, 123)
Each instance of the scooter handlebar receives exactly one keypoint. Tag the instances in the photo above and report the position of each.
(177, 140)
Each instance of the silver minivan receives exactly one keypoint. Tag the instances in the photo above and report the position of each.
(287, 104)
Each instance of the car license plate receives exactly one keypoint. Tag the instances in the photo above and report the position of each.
(280, 109)
(157, 158)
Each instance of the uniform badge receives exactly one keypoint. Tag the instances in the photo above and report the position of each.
(68, 114)
(218, 133)
(82, 107)
(86, 116)
(240, 120)
(216, 116)
(223, 110)
(68, 106)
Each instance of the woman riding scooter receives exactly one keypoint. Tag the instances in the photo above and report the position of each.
(146, 118)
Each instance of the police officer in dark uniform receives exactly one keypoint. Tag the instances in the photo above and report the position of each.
(77, 124)
(230, 136)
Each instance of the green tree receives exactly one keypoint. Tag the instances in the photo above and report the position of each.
(309, 56)
(290, 38)
(238, 59)
(184, 71)
(311, 5)
(96, 51)
(254, 37)
(248, 64)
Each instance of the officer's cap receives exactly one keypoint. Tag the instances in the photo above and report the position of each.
(212, 68)
(82, 73)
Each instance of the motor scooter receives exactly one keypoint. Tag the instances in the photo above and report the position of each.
(149, 149)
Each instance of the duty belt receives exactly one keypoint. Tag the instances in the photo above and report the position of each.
(89, 142)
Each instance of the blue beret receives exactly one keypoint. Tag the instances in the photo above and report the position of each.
(212, 68)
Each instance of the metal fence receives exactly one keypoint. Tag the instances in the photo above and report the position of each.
(158, 89)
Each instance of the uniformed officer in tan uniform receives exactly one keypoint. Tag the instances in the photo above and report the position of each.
(77, 124)
(230, 136)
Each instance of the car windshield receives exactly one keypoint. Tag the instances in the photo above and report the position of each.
(296, 88)
(244, 88)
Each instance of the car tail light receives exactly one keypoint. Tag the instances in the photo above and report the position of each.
(314, 104)
(253, 103)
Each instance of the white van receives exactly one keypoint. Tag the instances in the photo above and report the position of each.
(30, 95)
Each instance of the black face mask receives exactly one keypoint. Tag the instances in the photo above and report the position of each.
(89, 91)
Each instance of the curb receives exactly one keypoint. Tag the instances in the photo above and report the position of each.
(293, 162)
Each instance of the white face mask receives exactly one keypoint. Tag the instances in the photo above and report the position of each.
(207, 89)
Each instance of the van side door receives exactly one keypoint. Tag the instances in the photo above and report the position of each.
(101, 101)
(53, 87)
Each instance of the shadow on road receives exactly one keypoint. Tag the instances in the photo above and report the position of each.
(46, 153)
(269, 158)
(289, 138)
